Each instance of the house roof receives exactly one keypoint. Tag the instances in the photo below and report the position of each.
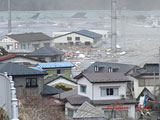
(123, 68)
(46, 52)
(104, 77)
(48, 90)
(66, 94)
(56, 65)
(84, 33)
(148, 69)
(87, 110)
(79, 100)
(18, 70)
(30, 37)
(145, 91)
(11, 56)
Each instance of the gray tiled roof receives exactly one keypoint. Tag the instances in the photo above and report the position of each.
(104, 77)
(16, 70)
(30, 37)
(48, 90)
(77, 99)
(148, 69)
(46, 51)
(89, 34)
(123, 68)
(87, 110)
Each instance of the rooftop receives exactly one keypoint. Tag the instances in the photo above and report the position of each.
(30, 37)
(46, 52)
(18, 70)
(56, 65)
(104, 77)
(48, 90)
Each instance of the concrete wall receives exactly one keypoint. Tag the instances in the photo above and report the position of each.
(20, 85)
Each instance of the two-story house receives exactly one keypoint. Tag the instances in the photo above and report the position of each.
(27, 80)
(47, 54)
(81, 38)
(146, 77)
(59, 74)
(106, 91)
(28, 41)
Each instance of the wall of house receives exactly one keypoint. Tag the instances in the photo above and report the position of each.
(64, 41)
(89, 87)
(8, 41)
(54, 71)
(62, 80)
(21, 60)
(97, 90)
(131, 109)
(71, 107)
(138, 89)
(49, 59)
(20, 84)
(29, 46)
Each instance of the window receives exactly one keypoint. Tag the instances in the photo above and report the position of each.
(78, 43)
(87, 43)
(61, 43)
(96, 69)
(109, 91)
(77, 38)
(46, 44)
(110, 69)
(35, 46)
(31, 82)
(23, 46)
(115, 69)
(69, 38)
(83, 88)
(70, 43)
(9, 47)
(59, 72)
(70, 113)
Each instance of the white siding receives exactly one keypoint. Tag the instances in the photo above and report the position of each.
(84, 81)
(63, 39)
(61, 80)
(8, 41)
(97, 91)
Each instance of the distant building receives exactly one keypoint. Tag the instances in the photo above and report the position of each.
(28, 41)
(82, 38)
(47, 54)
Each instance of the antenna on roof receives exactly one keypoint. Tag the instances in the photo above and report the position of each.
(9, 17)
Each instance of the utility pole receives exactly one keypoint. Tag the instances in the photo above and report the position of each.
(9, 16)
(113, 25)
(159, 71)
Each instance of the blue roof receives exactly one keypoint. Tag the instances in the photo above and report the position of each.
(88, 34)
(37, 68)
(56, 65)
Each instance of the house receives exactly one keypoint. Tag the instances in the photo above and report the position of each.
(105, 91)
(62, 81)
(146, 77)
(47, 54)
(29, 41)
(57, 68)
(27, 80)
(96, 67)
(15, 58)
(82, 38)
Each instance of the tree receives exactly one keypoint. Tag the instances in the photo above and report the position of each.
(3, 52)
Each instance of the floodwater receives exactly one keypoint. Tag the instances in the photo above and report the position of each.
(140, 43)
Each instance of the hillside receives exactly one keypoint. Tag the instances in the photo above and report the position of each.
(22, 5)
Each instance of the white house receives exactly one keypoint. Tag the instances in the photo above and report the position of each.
(82, 38)
(106, 91)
